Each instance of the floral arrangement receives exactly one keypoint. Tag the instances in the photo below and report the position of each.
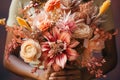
(61, 33)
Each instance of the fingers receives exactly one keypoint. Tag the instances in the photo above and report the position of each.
(70, 67)
(65, 73)
(65, 78)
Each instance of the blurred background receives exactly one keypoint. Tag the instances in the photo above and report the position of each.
(6, 75)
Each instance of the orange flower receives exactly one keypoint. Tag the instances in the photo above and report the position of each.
(2, 21)
(44, 25)
(51, 5)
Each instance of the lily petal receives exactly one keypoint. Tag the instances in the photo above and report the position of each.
(49, 61)
(65, 37)
(72, 54)
(45, 47)
(51, 53)
(74, 43)
(61, 60)
(56, 32)
(48, 36)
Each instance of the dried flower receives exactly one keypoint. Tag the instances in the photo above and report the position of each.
(41, 21)
(44, 25)
(88, 11)
(2, 21)
(82, 31)
(23, 23)
(51, 5)
(58, 48)
(67, 22)
(104, 7)
(70, 5)
(30, 51)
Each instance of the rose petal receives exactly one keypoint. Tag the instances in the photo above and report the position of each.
(61, 60)
(72, 54)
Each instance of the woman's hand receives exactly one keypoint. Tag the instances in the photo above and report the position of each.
(71, 73)
(44, 74)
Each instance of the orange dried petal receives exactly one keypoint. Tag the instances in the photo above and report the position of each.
(104, 7)
(23, 23)
(2, 21)
(52, 4)
(44, 26)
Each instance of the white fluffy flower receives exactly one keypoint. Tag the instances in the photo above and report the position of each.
(82, 31)
(30, 51)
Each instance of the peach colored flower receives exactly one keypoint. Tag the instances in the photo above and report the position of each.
(41, 21)
(51, 5)
(44, 25)
(30, 51)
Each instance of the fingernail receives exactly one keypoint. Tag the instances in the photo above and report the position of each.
(50, 78)
(52, 74)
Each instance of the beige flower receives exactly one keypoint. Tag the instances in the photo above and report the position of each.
(30, 51)
(82, 31)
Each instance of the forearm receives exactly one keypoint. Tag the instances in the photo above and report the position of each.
(110, 55)
(18, 67)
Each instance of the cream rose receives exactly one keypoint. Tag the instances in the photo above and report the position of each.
(83, 31)
(30, 51)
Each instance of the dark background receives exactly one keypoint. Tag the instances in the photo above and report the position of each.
(6, 75)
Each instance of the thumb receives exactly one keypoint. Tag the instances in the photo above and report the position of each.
(49, 70)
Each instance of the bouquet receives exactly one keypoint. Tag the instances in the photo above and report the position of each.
(61, 33)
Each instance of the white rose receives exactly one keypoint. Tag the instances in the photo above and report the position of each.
(83, 31)
(30, 51)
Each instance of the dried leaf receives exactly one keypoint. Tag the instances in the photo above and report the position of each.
(23, 23)
(2, 21)
(104, 7)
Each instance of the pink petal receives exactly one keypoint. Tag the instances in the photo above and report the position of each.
(74, 43)
(51, 53)
(44, 43)
(72, 54)
(45, 47)
(61, 60)
(48, 36)
(65, 37)
(56, 32)
(72, 25)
